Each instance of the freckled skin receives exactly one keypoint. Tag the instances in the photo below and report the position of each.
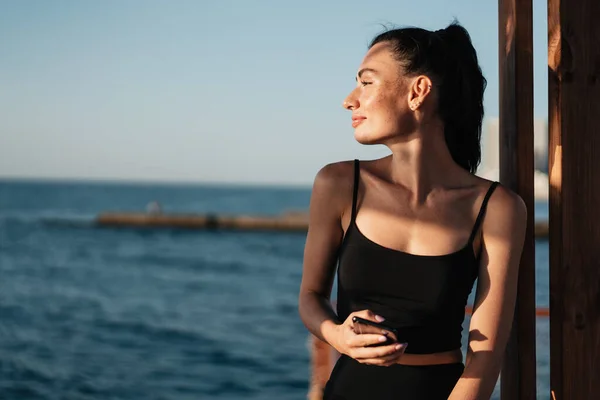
(383, 98)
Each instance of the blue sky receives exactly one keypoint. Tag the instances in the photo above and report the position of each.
(233, 91)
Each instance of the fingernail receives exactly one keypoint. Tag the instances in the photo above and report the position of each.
(398, 346)
(382, 338)
(379, 318)
(401, 346)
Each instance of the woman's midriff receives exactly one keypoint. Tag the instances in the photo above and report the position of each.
(446, 357)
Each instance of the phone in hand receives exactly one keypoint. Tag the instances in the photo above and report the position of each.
(362, 325)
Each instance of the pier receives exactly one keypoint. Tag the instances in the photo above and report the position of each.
(291, 222)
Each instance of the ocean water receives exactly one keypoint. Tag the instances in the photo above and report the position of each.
(98, 313)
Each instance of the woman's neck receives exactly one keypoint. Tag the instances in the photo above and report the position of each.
(422, 163)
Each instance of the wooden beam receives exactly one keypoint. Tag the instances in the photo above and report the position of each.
(574, 165)
(518, 379)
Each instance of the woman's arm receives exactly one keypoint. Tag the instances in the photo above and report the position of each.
(331, 199)
(330, 210)
(503, 235)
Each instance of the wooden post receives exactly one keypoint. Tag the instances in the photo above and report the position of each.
(518, 378)
(574, 165)
(323, 358)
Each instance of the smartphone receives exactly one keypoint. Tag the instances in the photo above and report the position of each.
(392, 333)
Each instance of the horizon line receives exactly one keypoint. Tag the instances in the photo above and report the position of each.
(148, 182)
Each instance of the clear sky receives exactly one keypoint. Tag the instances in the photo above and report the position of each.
(205, 90)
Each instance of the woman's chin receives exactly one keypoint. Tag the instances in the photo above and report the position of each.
(365, 138)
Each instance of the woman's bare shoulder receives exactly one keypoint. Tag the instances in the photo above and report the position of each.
(335, 177)
(502, 196)
(503, 205)
(334, 184)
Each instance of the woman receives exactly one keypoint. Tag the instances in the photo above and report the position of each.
(412, 231)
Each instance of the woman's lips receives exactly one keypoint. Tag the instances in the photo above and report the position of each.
(356, 121)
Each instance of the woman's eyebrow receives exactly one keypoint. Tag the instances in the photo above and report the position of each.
(362, 71)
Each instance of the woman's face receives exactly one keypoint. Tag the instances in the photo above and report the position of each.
(379, 102)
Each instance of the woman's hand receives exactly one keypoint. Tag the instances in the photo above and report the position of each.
(355, 344)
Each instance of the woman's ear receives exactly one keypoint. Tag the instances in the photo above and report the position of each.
(418, 91)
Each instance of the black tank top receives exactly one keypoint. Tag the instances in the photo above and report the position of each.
(423, 296)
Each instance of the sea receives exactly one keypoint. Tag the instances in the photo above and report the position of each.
(103, 313)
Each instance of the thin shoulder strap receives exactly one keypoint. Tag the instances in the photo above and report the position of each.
(355, 189)
(482, 211)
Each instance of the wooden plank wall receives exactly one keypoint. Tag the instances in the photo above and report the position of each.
(518, 378)
(574, 164)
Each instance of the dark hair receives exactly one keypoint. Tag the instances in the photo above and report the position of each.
(449, 59)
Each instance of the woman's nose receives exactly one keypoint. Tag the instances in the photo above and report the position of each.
(350, 102)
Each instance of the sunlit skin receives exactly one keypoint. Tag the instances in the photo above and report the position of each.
(383, 98)
(413, 195)
(399, 112)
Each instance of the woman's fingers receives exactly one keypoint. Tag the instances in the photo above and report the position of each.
(366, 339)
(390, 359)
(367, 353)
(361, 341)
